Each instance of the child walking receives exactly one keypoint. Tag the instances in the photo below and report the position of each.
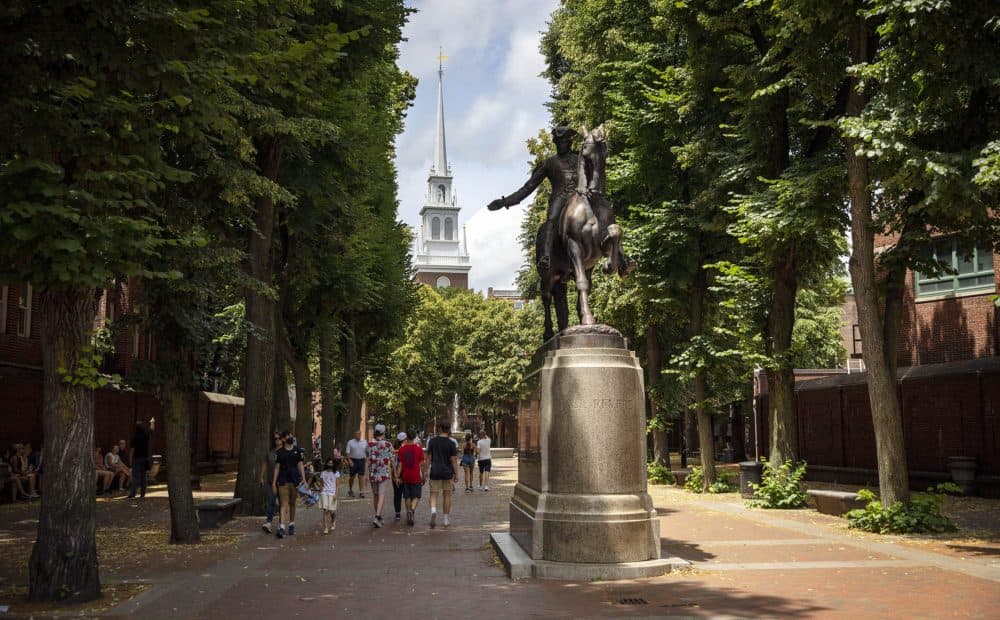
(328, 497)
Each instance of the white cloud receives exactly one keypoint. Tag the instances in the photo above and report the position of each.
(494, 102)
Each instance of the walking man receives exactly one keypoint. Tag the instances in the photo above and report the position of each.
(485, 462)
(379, 461)
(443, 474)
(409, 471)
(357, 451)
(139, 457)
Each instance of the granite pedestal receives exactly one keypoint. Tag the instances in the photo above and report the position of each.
(580, 509)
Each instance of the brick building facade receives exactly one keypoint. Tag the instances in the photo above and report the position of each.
(216, 418)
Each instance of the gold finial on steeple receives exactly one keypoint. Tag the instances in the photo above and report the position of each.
(441, 59)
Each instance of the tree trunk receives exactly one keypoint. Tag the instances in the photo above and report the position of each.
(281, 419)
(303, 403)
(63, 565)
(328, 408)
(183, 518)
(661, 452)
(781, 380)
(699, 290)
(259, 381)
(350, 419)
(887, 418)
(739, 433)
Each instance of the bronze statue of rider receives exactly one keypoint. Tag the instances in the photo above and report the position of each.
(561, 171)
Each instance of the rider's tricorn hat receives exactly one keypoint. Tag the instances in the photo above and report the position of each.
(562, 132)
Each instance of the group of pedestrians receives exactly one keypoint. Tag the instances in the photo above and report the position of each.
(403, 468)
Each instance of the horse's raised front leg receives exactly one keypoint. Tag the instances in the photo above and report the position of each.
(575, 251)
(612, 249)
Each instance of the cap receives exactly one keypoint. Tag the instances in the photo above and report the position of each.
(380, 429)
(401, 436)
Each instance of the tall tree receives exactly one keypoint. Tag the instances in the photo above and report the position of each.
(79, 172)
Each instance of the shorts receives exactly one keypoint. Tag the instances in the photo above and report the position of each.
(468, 460)
(446, 486)
(486, 465)
(328, 502)
(412, 491)
(380, 488)
(357, 467)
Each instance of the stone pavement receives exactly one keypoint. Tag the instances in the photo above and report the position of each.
(747, 564)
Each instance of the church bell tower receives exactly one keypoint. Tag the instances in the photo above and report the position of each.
(441, 255)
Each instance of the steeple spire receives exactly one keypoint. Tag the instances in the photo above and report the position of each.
(440, 151)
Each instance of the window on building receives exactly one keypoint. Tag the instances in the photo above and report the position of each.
(3, 310)
(856, 338)
(443, 282)
(24, 311)
(519, 305)
(448, 228)
(435, 228)
(971, 270)
(441, 193)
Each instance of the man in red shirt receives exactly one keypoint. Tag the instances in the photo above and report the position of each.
(409, 472)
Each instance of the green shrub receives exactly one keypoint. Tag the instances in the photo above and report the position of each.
(694, 480)
(920, 515)
(725, 481)
(658, 473)
(780, 488)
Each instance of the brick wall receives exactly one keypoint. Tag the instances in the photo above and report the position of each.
(947, 330)
(948, 410)
(218, 425)
(458, 280)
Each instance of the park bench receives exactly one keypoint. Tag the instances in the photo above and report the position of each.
(835, 503)
(214, 512)
(502, 453)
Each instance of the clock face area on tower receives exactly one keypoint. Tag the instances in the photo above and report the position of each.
(440, 252)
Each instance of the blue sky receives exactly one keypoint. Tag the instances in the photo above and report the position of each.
(494, 102)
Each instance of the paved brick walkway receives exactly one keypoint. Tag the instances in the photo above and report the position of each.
(747, 564)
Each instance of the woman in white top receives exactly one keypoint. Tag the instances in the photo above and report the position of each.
(113, 463)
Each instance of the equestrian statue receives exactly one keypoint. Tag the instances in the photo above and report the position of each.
(580, 228)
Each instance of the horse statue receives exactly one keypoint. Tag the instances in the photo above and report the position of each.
(587, 232)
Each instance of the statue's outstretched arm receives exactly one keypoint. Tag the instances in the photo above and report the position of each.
(537, 176)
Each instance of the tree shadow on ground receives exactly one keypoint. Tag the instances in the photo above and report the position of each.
(688, 599)
(687, 550)
(976, 550)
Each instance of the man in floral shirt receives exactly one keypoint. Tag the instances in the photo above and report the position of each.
(379, 461)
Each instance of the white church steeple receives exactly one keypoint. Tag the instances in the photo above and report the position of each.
(441, 256)
(440, 166)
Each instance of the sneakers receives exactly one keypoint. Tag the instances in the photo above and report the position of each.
(291, 530)
(486, 488)
(268, 529)
(434, 520)
(409, 517)
(397, 516)
(281, 532)
(445, 521)
(376, 522)
(326, 530)
(34, 495)
(361, 495)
